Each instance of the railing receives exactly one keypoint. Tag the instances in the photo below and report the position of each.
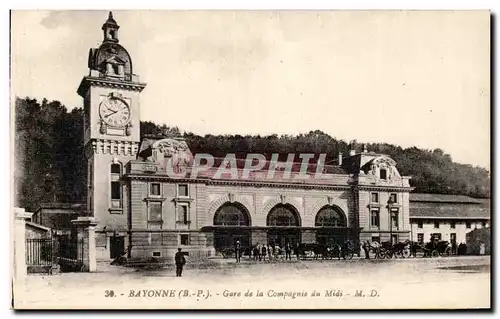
(39, 251)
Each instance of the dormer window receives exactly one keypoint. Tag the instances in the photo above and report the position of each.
(383, 173)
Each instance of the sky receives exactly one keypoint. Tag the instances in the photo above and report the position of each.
(407, 78)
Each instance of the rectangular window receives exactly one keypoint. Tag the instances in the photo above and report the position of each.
(184, 239)
(436, 236)
(467, 224)
(420, 224)
(383, 173)
(453, 237)
(375, 218)
(376, 239)
(115, 190)
(155, 189)
(155, 212)
(420, 238)
(393, 198)
(183, 214)
(394, 218)
(374, 197)
(183, 190)
(452, 224)
(436, 224)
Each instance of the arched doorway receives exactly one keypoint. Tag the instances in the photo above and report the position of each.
(232, 222)
(284, 223)
(332, 222)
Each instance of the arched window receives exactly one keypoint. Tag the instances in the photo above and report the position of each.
(116, 188)
(231, 214)
(116, 169)
(330, 216)
(283, 215)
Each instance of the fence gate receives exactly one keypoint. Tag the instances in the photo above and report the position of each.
(39, 255)
(67, 255)
(45, 254)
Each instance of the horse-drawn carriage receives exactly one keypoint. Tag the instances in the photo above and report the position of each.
(434, 249)
(320, 251)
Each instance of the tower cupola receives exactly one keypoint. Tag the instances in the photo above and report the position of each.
(110, 28)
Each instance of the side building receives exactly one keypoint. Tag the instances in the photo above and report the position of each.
(447, 217)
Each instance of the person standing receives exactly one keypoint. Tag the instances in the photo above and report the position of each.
(263, 252)
(288, 250)
(366, 248)
(180, 261)
(255, 252)
(237, 251)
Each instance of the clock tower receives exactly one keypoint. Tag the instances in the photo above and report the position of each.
(110, 95)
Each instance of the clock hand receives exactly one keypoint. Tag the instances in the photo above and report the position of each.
(110, 114)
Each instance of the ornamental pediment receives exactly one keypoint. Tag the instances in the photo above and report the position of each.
(115, 60)
(382, 168)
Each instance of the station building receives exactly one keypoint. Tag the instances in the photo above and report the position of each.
(141, 206)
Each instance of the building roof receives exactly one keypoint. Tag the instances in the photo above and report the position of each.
(35, 225)
(443, 198)
(69, 206)
(449, 211)
(295, 166)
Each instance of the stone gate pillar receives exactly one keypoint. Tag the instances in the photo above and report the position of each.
(86, 245)
(19, 231)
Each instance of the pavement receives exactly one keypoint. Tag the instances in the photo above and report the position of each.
(414, 283)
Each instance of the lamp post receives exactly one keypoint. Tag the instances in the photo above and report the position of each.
(389, 206)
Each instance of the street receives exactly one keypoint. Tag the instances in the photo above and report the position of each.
(453, 282)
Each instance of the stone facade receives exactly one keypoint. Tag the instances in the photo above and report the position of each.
(355, 195)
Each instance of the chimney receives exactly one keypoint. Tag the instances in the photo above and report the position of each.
(340, 158)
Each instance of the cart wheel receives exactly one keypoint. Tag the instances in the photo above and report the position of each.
(434, 253)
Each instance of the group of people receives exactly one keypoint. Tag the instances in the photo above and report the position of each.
(269, 251)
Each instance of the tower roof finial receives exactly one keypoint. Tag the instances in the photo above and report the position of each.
(111, 20)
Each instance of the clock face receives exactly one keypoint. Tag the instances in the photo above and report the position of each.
(114, 112)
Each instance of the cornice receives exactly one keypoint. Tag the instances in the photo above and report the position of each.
(113, 147)
(384, 188)
(110, 83)
(259, 184)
